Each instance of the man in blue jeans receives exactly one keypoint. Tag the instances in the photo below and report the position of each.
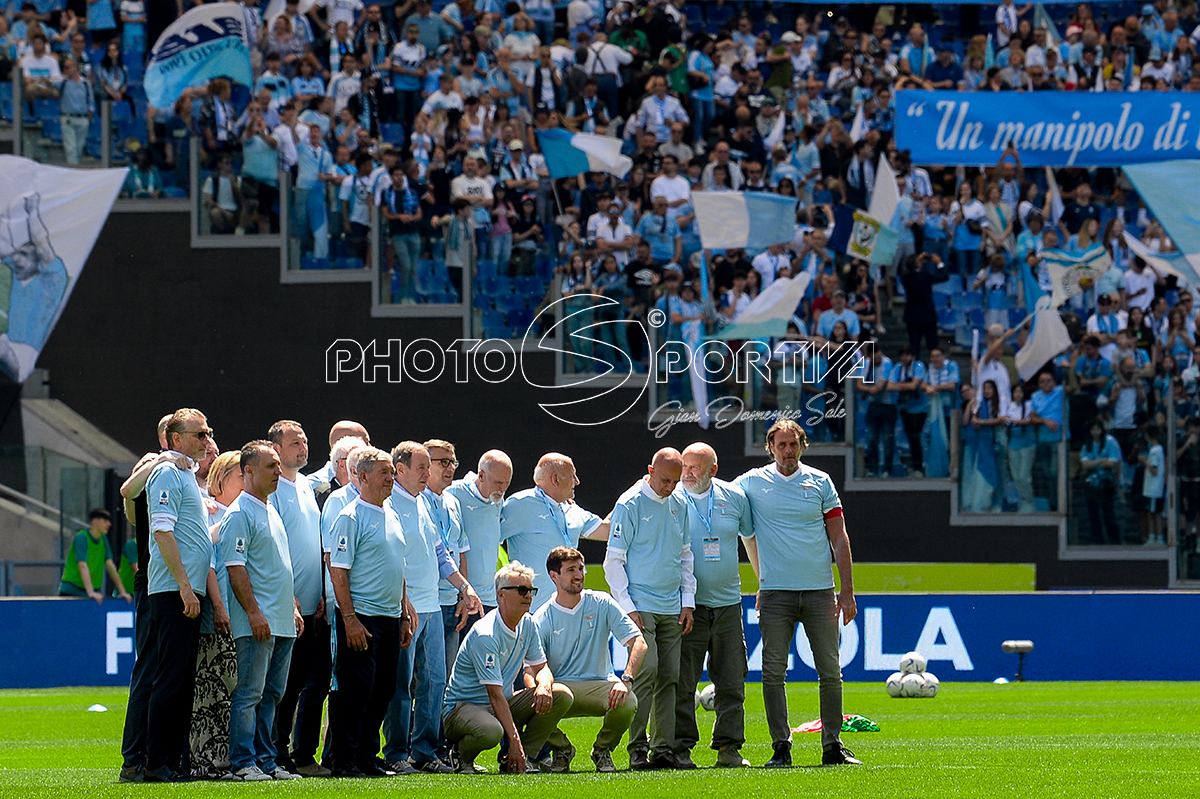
(412, 726)
(265, 619)
(797, 522)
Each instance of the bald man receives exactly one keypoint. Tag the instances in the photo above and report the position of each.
(480, 495)
(718, 512)
(537, 520)
(319, 479)
(650, 572)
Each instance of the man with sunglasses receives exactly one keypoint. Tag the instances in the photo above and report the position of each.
(411, 725)
(536, 520)
(180, 553)
(575, 626)
(649, 569)
(481, 708)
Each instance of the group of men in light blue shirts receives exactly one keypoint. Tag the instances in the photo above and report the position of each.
(381, 569)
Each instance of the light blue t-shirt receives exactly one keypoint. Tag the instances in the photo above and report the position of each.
(1049, 406)
(532, 524)
(297, 506)
(492, 654)
(715, 520)
(947, 374)
(699, 62)
(369, 543)
(481, 524)
(253, 536)
(575, 640)
(420, 560)
(789, 525)
(175, 504)
(661, 232)
(911, 401)
(653, 532)
(447, 518)
(829, 318)
(334, 503)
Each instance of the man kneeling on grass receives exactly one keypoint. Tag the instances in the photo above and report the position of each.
(481, 708)
(575, 625)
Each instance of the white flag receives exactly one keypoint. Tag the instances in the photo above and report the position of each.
(50, 218)
(886, 195)
(1046, 340)
(1071, 275)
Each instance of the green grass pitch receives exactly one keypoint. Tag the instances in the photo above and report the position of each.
(1031, 740)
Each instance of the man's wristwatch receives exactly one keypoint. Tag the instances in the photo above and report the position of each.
(627, 678)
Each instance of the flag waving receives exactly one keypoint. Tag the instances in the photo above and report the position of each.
(768, 315)
(1071, 274)
(50, 218)
(569, 154)
(1047, 338)
(728, 219)
(205, 43)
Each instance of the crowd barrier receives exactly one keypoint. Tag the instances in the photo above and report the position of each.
(53, 643)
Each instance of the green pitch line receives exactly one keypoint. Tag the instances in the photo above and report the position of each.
(974, 741)
(886, 578)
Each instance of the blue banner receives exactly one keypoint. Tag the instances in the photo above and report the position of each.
(52, 643)
(205, 43)
(1048, 128)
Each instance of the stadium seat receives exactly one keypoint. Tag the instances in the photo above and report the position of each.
(1016, 316)
(720, 14)
(392, 133)
(6, 101)
(969, 300)
(52, 129)
(521, 319)
(46, 109)
(348, 263)
(315, 263)
(949, 318)
(121, 112)
(974, 317)
(694, 14)
(493, 320)
(485, 268)
(175, 193)
(509, 302)
(530, 286)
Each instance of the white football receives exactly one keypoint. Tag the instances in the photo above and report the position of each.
(893, 684)
(708, 697)
(912, 685)
(931, 685)
(912, 663)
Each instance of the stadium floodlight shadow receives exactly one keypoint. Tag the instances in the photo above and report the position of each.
(1021, 648)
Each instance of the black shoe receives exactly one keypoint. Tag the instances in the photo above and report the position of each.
(783, 756)
(639, 761)
(375, 767)
(349, 771)
(434, 766)
(839, 755)
(130, 774)
(669, 760)
(164, 774)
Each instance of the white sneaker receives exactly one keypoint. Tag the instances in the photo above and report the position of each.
(250, 774)
(280, 773)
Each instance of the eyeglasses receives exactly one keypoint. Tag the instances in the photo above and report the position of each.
(201, 435)
(523, 590)
(446, 463)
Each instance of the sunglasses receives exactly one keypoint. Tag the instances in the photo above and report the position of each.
(523, 590)
(446, 463)
(202, 435)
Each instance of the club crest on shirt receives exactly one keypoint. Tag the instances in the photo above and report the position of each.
(342, 543)
(164, 497)
(239, 545)
(489, 661)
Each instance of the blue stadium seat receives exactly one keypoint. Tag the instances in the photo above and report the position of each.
(530, 286)
(348, 263)
(489, 286)
(720, 14)
(1016, 316)
(52, 129)
(504, 285)
(974, 317)
(175, 192)
(121, 111)
(45, 109)
(6, 101)
(485, 268)
(969, 300)
(694, 14)
(521, 319)
(392, 132)
(493, 320)
(509, 302)
(949, 318)
(315, 263)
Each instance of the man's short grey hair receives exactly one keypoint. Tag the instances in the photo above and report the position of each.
(367, 458)
(511, 572)
(341, 448)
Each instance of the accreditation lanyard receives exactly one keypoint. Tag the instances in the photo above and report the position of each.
(706, 521)
(562, 527)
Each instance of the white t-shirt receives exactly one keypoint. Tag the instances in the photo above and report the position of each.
(1134, 282)
(44, 67)
(440, 100)
(547, 84)
(357, 192)
(463, 186)
(341, 11)
(224, 195)
(676, 188)
(605, 232)
(768, 266)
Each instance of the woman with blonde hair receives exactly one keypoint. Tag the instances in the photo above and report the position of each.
(216, 661)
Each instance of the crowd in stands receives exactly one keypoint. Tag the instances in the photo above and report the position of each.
(432, 114)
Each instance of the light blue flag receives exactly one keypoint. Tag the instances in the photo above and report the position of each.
(205, 43)
(745, 220)
(1032, 289)
(569, 154)
(1169, 189)
(937, 453)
